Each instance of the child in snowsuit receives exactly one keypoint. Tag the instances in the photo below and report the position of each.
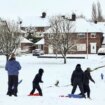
(36, 81)
(87, 77)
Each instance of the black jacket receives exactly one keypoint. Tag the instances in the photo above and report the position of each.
(77, 76)
(38, 78)
(87, 77)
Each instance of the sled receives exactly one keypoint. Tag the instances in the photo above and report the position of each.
(35, 94)
(71, 96)
(75, 96)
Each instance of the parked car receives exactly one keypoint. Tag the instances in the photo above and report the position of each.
(101, 51)
(37, 52)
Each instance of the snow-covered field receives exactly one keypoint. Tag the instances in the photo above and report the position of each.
(54, 70)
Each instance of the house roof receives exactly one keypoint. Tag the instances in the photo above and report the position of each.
(35, 21)
(101, 26)
(24, 40)
(82, 25)
(40, 42)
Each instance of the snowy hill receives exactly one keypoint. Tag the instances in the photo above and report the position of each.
(54, 70)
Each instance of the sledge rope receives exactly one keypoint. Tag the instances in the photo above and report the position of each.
(57, 85)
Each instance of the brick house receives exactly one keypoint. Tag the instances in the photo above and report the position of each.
(101, 25)
(89, 34)
(36, 26)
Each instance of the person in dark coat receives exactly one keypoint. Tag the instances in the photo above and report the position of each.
(36, 81)
(87, 77)
(12, 67)
(102, 76)
(77, 80)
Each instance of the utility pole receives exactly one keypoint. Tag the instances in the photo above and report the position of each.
(87, 43)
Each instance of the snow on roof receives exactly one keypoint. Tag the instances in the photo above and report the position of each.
(35, 21)
(40, 42)
(24, 40)
(101, 26)
(82, 25)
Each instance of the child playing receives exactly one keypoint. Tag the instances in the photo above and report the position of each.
(36, 81)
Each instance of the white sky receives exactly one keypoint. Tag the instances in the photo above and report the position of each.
(23, 8)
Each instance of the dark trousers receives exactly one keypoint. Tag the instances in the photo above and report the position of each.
(36, 86)
(12, 84)
(87, 90)
(80, 87)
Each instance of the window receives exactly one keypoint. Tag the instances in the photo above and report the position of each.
(81, 47)
(81, 35)
(93, 35)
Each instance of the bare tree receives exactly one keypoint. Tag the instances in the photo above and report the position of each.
(94, 12)
(60, 36)
(9, 37)
(97, 12)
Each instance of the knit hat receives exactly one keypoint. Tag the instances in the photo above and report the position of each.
(88, 69)
(12, 55)
(78, 65)
(41, 70)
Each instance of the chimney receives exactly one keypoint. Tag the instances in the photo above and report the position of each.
(63, 16)
(73, 17)
(43, 15)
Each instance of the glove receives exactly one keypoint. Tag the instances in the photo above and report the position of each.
(72, 84)
(41, 81)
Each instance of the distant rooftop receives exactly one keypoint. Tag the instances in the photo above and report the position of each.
(36, 21)
(82, 25)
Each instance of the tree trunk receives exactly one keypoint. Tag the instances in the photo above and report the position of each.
(64, 59)
(56, 55)
(7, 57)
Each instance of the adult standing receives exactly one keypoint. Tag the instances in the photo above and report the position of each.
(87, 77)
(77, 80)
(12, 66)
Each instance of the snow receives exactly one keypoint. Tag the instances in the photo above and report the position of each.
(101, 26)
(35, 21)
(81, 25)
(54, 69)
(40, 42)
(24, 40)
